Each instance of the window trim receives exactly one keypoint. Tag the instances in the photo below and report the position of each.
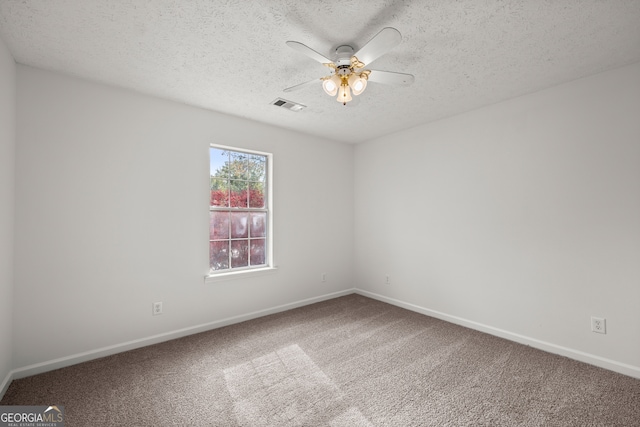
(240, 274)
(269, 266)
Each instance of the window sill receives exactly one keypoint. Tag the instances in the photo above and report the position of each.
(242, 274)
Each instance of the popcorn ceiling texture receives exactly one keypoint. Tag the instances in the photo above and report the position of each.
(230, 56)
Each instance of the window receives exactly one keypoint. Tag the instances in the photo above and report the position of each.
(239, 210)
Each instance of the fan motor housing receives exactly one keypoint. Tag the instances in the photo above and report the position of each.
(343, 55)
(343, 70)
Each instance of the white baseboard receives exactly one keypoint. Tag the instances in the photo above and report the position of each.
(62, 362)
(612, 365)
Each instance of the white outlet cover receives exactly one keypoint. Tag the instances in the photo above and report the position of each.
(156, 308)
(599, 325)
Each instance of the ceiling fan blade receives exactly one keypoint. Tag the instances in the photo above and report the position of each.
(380, 44)
(306, 50)
(391, 78)
(301, 85)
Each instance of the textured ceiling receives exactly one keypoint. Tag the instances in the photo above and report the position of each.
(230, 55)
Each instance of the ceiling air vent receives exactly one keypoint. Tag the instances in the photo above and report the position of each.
(289, 105)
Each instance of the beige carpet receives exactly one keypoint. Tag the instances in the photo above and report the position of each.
(350, 362)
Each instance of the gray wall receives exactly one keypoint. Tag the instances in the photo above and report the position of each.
(520, 218)
(112, 215)
(7, 159)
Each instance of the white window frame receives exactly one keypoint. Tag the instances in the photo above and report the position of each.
(269, 266)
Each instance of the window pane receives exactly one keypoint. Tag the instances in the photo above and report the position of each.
(256, 195)
(218, 225)
(239, 253)
(238, 166)
(217, 160)
(219, 192)
(239, 190)
(257, 168)
(239, 225)
(258, 224)
(258, 251)
(219, 255)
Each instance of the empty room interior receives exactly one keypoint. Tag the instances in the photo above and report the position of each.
(469, 165)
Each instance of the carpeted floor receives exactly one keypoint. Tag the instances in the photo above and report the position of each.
(350, 362)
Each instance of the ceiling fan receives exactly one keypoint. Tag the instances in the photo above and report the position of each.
(347, 71)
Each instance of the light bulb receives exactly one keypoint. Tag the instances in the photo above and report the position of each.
(330, 86)
(358, 83)
(344, 94)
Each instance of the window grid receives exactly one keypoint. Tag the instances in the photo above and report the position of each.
(249, 249)
(248, 239)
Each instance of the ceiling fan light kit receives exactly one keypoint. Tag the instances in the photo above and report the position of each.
(346, 77)
(347, 74)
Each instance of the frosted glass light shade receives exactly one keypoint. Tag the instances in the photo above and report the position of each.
(344, 94)
(357, 83)
(331, 85)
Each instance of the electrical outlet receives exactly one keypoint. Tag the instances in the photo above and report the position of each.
(387, 280)
(156, 308)
(599, 325)
(323, 277)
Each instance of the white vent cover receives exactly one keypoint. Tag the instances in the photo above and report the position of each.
(289, 105)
